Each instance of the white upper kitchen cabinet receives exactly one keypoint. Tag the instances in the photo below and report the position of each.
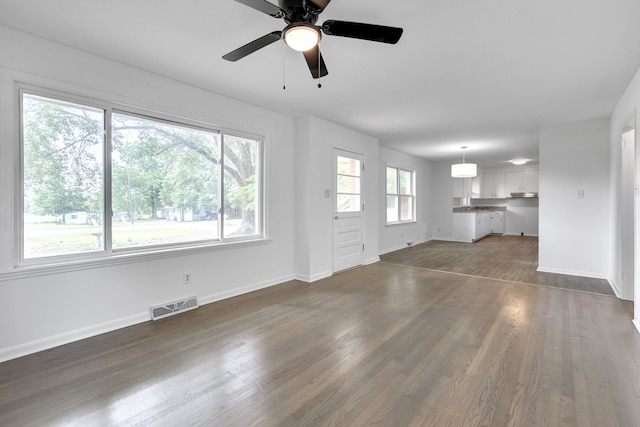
(476, 186)
(494, 185)
(466, 187)
(522, 181)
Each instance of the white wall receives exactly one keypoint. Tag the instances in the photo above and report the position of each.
(574, 236)
(625, 111)
(315, 140)
(47, 310)
(442, 202)
(396, 236)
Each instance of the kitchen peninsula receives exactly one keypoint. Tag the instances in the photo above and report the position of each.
(472, 223)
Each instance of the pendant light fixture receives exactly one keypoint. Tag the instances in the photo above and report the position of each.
(464, 170)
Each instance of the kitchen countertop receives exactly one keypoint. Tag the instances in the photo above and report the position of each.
(473, 209)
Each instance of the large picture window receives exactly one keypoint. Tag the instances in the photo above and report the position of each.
(400, 195)
(101, 180)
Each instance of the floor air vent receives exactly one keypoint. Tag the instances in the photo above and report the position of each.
(176, 307)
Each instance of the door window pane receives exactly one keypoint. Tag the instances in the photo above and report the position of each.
(63, 199)
(349, 184)
(164, 183)
(348, 203)
(348, 166)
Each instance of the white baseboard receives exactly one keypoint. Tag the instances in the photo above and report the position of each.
(618, 290)
(397, 248)
(313, 278)
(90, 331)
(614, 287)
(445, 239)
(243, 290)
(572, 272)
(636, 323)
(69, 337)
(372, 260)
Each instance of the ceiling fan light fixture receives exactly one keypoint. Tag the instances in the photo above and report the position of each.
(301, 36)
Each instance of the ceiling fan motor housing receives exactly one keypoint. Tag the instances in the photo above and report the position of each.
(299, 11)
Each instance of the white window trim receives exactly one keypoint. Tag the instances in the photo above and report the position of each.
(11, 233)
(413, 195)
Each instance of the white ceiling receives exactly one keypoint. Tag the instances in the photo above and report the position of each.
(481, 73)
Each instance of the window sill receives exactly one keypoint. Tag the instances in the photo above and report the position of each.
(391, 224)
(23, 272)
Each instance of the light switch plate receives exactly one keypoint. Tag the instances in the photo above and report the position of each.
(580, 194)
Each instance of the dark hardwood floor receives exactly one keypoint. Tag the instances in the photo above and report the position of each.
(384, 344)
(512, 258)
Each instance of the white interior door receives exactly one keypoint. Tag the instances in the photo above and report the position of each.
(348, 242)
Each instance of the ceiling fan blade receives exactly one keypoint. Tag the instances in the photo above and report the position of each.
(357, 30)
(251, 47)
(263, 6)
(320, 4)
(316, 62)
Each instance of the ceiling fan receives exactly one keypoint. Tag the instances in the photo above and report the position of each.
(303, 35)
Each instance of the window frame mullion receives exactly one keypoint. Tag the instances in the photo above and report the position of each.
(108, 209)
(221, 184)
(398, 195)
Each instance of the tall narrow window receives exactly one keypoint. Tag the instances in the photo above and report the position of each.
(63, 196)
(400, 191)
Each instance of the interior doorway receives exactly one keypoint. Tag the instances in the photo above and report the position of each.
(629, 212)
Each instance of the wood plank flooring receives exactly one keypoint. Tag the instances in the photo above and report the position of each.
(386, 344)
(512, 258)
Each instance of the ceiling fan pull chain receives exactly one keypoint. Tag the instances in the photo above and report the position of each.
(319, 74)
(284, 69)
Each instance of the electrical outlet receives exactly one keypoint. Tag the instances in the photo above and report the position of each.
(186, 278)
